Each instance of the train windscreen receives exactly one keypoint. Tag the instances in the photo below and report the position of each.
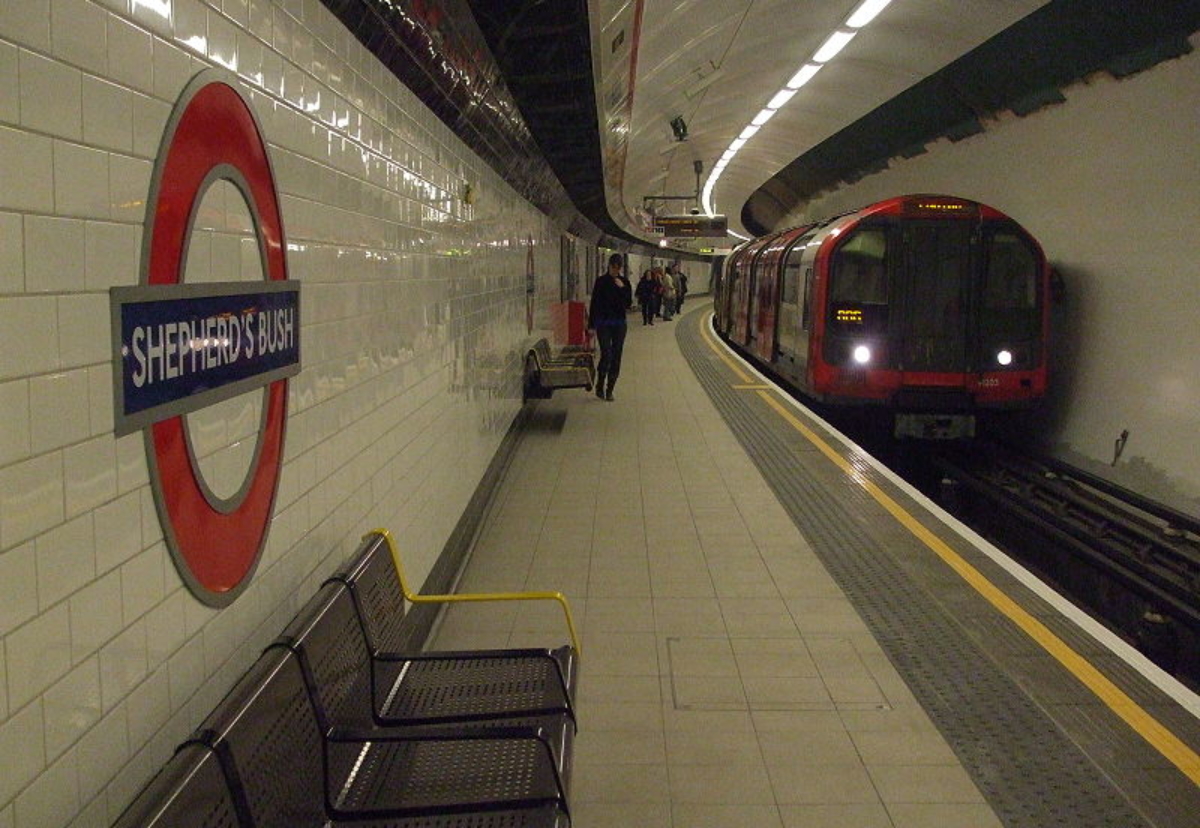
(858, 288)
(1010, 320)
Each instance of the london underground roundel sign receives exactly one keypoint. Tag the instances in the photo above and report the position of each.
(179, 348)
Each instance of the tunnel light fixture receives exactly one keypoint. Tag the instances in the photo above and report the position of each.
(832, 45)
(781, 98)
(863, 13)
(763, 116)
(866, 12)
(804, 75)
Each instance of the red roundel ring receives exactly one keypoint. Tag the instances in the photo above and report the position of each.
(212, 135)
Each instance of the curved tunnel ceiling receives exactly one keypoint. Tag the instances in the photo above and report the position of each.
(1021, 69)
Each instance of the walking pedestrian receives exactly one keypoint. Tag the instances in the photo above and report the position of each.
(611, 299)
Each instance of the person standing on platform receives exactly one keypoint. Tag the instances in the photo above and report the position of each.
(680, 289)
(611, 299)
(645, 297)
(668, 299)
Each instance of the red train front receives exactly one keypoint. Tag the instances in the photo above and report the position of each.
(934, 306)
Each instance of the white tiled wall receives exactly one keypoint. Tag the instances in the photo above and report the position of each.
(413, 304)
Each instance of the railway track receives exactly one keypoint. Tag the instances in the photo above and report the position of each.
(1132, 563)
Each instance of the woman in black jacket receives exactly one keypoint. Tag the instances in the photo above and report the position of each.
(611, 300)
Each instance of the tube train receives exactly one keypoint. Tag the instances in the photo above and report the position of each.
(933, 307)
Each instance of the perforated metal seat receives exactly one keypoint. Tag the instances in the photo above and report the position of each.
(448, 685)
(357, 692)
(290, 771)
(189, 792)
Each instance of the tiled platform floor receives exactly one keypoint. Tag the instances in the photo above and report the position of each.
(726, 680)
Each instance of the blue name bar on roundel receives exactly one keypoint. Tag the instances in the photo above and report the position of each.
(180, 348)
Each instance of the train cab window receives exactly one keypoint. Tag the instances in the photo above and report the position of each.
(858, 290)
(1012, 274)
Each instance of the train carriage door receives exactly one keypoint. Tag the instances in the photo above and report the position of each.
(933, 301)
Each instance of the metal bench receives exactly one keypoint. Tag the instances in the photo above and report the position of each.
(287, 766)
(546, 372)
(357, 691)
(189, 792)
(481, 683)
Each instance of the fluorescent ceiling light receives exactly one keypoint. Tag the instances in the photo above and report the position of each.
(748, 132)
(866, 12)
(781, 97)
(737, 143)
(803, 76)
(762, 117)
(832, 45)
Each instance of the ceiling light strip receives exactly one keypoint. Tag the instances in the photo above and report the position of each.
(863, 14)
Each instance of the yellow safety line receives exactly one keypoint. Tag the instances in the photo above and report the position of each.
(751, 387)
(1149, 728)
(417, 598)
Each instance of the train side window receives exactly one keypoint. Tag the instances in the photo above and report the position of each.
(860, 269)
(1012, 274)
(807, 314)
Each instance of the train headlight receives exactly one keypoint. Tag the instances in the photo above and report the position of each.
(1004, 357)
(861, 354)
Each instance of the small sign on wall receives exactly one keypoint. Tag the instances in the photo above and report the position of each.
(186, 347)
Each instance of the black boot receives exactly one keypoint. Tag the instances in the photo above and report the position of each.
(608, 394)
(600, 386)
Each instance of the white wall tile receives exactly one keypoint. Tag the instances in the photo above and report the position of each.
(118, 531)
(93, 815)
(122, 665)
(186, 672)
(51, 96)
(31, 498)
(60, 419)
(14, 414)
(66, 560)
(77, 34)
(165, 627)
(12, 253)
(80, 181)
(39, 653)
(26, 22)
(107, 115)
(222, 42)
(26, 171)
(152, 531)
(84, 334)
(154, 16)
(112, 254)
(72, 706)
(22, 746)
(53, 254)
(18, 587)
(28, 337)
(132, 472)
(129, 183)
(89, 474)
(100, 400)
(173, 68)
(10, 90)
(95, 615)
(100, 750)
(130, 55)
(142, 583)
(53, 798)
(151, 706)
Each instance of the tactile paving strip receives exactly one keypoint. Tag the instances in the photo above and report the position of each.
(1027, 768)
